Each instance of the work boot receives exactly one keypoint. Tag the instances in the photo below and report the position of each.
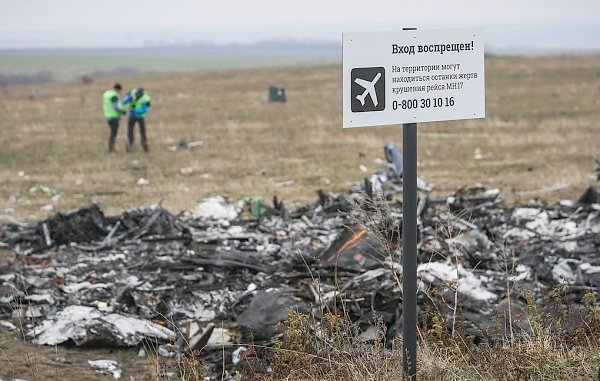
(146, 149)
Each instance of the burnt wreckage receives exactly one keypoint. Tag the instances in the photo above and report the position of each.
(215, 278)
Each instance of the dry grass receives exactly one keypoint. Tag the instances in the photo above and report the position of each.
(541, 129)
(322, 350)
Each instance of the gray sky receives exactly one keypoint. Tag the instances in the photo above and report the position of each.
(111, 23)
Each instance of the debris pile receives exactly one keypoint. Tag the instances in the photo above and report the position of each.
(218, 277)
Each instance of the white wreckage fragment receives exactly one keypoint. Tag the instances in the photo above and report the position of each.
(76, 287)
(562, 271)
(215, 208)
(572, 271)
(467, 283)
(106, 367)
(539, 221)
(83, 324)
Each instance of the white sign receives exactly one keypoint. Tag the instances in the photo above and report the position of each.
(413, 76)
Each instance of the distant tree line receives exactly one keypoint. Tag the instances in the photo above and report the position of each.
(118, 71)
(47, 76)
(25, 79)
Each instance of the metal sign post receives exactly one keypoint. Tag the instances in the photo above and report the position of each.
(409, 250)
(412, 76)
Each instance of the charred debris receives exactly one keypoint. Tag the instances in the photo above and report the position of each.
(220, 277)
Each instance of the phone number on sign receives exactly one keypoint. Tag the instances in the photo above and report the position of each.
(409, 104)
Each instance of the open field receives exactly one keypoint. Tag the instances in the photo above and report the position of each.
(541, 129)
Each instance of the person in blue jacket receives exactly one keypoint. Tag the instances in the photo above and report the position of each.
(137, 101)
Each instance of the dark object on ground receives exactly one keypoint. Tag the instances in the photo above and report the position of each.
(266, 310)
(590, 196)
(394, 158)
(355, 250)
(277, 94)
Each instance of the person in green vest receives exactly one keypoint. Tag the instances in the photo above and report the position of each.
(138, 102)
(112, 107)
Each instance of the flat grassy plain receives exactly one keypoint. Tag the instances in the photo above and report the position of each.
(542, 129)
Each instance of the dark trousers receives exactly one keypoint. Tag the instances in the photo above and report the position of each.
(131, 130)
(113, 123)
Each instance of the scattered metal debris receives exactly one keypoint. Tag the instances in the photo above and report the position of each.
(184, 144)
(222, 274)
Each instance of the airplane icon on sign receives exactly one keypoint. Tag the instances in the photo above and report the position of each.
(367, 82)
(369, 87)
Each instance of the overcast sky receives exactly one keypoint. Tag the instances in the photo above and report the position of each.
(111, 23)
